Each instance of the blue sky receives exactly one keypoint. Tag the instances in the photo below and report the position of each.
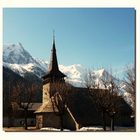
(93, 37)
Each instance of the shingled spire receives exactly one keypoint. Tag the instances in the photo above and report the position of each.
(54, 72)
(53, 62)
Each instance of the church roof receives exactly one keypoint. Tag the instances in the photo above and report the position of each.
(52, 74)
(85, 111)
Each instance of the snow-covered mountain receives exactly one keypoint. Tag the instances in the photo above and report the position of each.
(16, 58)
(20, 61)
(74, 73)
(15, 53)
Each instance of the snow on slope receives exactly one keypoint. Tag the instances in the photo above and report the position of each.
(15, 53)
(74, 73)
(20, 61)
(16, 58)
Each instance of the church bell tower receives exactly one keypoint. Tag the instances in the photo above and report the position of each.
(53, 82)
(53, 76)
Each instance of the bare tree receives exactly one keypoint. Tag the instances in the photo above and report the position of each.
(112, 96)
(105, 98)
(98, 95)
(59, 99)
(23, 95)
(130, 85)
(89, 80)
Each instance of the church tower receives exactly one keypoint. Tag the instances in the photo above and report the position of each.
(46, 114)
(53, 76)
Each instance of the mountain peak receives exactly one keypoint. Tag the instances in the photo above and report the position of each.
(19, 60)
(12, 46)
(16, 54)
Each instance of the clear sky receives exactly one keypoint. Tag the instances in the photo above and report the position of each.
(88, 36)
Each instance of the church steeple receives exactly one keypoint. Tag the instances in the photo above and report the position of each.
(53, 62)
(54, 72)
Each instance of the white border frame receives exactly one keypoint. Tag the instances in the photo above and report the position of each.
(74, 3)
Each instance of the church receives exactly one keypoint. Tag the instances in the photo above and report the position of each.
(75, 110)
(47, 115)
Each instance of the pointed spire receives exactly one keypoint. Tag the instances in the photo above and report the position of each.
(53, 63)
(54, 71)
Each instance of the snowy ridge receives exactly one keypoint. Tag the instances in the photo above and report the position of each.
(20, 61)
(22, 69)
(74, 73)
(16, 58)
